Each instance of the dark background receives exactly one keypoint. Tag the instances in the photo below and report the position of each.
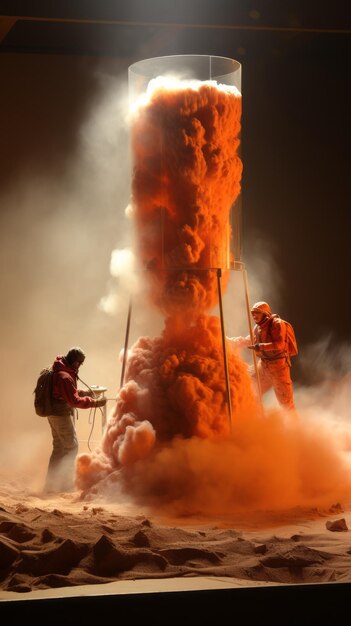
(295, 127)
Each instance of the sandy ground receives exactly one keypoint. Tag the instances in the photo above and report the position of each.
(65, 546)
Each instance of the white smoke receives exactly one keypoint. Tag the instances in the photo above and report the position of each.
(58, 228)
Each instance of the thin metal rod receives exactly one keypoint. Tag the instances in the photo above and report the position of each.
(163, 236)
(248, 310)
(126, 343)
(229, 402)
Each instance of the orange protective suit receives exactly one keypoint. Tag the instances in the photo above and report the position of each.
(273, 359)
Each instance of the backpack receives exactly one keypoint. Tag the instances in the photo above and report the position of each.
(290, 339)
(43, 393)
(291, 343)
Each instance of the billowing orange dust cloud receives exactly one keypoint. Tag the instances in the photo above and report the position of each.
(186, 178)
(168, 442)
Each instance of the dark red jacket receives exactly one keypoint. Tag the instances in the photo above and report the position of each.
(65, 390)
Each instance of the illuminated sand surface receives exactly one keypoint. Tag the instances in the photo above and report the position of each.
(62, 543)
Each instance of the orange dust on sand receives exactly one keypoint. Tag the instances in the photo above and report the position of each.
(169, 442)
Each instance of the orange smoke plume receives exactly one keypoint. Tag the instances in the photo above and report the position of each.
(187, 175)
(175, 388)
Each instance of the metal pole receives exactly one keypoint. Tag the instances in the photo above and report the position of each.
(247, 299)
(126, 343)
(229, 403)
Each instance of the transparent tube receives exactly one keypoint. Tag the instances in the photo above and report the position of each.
(184, 67)
(186, 183)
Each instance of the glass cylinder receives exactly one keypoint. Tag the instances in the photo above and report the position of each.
(184, 67)
(185, 143)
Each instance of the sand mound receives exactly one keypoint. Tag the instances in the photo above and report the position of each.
(64, 542)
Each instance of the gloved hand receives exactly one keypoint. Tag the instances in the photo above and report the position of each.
(100, 402)
(255, 347)
(83, 394)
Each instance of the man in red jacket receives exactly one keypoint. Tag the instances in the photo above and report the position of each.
(66, 397)
(270, 347)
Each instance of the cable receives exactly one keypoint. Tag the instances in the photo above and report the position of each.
(86, 384)
(92, 411)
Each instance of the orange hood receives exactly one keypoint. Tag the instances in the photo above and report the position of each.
(263, 307)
